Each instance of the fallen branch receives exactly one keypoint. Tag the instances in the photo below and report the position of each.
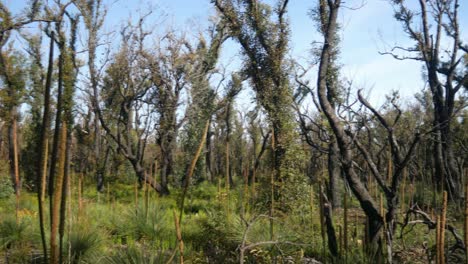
(243, 246)
(431, 224)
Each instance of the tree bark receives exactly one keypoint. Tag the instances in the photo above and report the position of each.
(166, 143)
(208, 157)
(57, 197)
(331, 234)
(65, 190)
(334, 174)
(13, 152)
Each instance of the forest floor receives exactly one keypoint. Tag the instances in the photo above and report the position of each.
(125, 224)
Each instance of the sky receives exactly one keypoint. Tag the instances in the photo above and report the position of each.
(367, 28)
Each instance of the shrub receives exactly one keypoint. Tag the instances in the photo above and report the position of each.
(6, 187)
(215, 237)
(84, 242)
(14, 240)
(135, 255)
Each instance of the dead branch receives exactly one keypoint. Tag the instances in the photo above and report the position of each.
(431, 224)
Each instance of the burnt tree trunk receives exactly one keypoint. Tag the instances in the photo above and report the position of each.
(208, 157)
(167, 145)
(329, 13)
(334, 173)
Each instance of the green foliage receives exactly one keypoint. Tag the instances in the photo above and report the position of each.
(216, 237)
(15, 238)
(122, 192)
(84, 243)
(134, 255)
(12, 233)
(117, 232)
(6, 186)
(426, 197)
(129, 225)
(13, 77)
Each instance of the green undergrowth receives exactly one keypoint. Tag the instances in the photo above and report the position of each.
(119, 226)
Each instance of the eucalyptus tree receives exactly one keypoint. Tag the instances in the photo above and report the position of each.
(34, 99)
(263, 34)
(123, 103)
(328, 14)
(94, 14)
(400, 156)
(169, 74)
(434, 28)
(316, 133)
(347, 136)
(203, 96)
(13, 77)
(259, 135)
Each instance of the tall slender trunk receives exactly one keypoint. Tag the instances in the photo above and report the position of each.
(101, 171)
(97, 155)
(334, 174)
(167, 145)
(43, 180)
(258, 157)
(166, 164)
(229, 182)
(65, 190)
(13, 142)
(208, 157)
(58, 119)
(57, 197)
(43, 147)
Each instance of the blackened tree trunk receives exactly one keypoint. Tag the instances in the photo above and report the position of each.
(395, 172)
(208, 155)
(331, 234)
(102, 169)
(13, 148)
(256, 163)
(167, 145)
(328, 23)
(228, 168)
(334, 173)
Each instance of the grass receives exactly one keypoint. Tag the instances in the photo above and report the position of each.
(109, 228)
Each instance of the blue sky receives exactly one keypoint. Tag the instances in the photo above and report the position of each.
(365, 32)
